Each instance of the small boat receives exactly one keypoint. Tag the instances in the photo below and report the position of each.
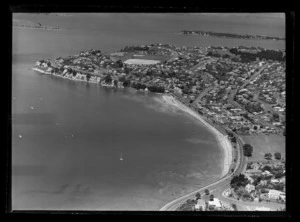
(121, 158)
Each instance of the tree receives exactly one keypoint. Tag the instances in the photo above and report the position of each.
(268, 168)
(122, 79)
(211, 197)
(268, 156)
(233, 139)
(126, 83)
(88, 76)
(277, 156)
(108, 79)
(74, 73)
(115, 83)
(248, 149)
(233, 205)
(48, 64)
(119, 64)
(206, 191)
(198, 195)
(238, 181)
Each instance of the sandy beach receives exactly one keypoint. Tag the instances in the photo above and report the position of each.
(223, 141)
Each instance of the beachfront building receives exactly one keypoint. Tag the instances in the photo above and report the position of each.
(214, 204)
(200, 205)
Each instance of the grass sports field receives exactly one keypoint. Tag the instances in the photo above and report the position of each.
(265, 144)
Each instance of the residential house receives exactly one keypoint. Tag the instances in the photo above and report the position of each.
(215, 204)
(253, 172)
(263, 182)
(249, 187)
(251, 180)
(275, 194)
(267, 173)
(275, 181)
(282, 180)
(200, 205)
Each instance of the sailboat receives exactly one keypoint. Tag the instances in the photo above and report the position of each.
(121, 158)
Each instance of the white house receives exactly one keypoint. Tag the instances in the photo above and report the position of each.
(275, 194)
(275, 181)
(282, 180)
(250, 187)
(200, 205)
(267, 173)
(263, 182)
(253, 172)
(251, 180)
(215, 203)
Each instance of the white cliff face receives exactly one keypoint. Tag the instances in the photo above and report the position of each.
(37, 63)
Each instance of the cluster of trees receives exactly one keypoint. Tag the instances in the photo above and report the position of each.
(138, 85)
(248, 150)
(135, 48)
(217, 55)
(268, 156)
(264, 54)
(158, 89)
(253, 107)
(108, 79)
(188, 205)
(277, 156)
(118, 64)
(241, 192)
(94, 52)
(238, 181)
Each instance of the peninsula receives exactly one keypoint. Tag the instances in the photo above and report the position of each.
(229, 35)
(234, 92)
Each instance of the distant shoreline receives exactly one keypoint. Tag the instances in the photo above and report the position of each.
(231, 35)
(40, 28)
(223, 141)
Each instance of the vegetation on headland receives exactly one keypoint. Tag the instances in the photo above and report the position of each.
(230, 35)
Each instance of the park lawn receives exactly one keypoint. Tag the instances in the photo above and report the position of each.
(265, 144)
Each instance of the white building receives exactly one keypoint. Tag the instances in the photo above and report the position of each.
(275, 194)
(200, 205)
(250, 187)
(215, 203)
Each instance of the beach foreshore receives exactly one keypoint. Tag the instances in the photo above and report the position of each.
(223, 141)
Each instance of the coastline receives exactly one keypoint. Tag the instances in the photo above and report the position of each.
(223, 141)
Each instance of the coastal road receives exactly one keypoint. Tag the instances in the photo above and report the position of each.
(220, 185)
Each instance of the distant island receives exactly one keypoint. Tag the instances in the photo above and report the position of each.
(230, 35)
(33, 25)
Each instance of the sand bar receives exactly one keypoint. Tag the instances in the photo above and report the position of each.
(223, 141)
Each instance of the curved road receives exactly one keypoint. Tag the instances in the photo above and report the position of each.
(223, 183)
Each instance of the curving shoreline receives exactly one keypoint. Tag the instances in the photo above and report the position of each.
(223, 141)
